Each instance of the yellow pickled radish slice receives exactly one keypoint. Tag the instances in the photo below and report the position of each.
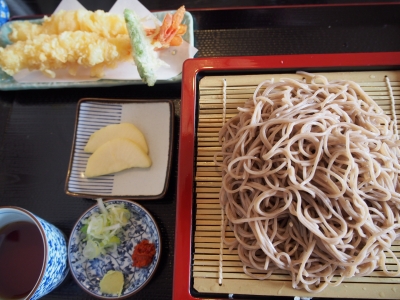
(116, 155)
(123, 130)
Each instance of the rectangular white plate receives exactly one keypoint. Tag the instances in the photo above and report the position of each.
(153, 118)
(7, 82)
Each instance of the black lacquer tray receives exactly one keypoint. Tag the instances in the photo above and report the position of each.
(37, 126)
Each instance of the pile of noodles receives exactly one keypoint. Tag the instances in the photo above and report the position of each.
(311, 182)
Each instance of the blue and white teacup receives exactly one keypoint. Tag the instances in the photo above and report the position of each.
(4, 12)
(52, 256)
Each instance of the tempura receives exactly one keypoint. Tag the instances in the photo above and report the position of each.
(104, 24)
(68, 50)
(70, 39)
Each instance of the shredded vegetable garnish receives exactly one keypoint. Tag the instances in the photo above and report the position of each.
(101, 229)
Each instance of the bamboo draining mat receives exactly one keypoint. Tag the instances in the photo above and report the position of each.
(207, 237)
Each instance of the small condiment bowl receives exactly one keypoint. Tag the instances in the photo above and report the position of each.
(89, 272)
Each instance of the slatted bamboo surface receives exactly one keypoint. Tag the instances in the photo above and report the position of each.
(207, 236)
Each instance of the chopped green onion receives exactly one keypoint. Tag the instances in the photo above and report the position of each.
(100, 229)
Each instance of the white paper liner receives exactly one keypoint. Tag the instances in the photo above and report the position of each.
(173, 56)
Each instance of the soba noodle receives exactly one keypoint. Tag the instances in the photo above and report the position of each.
(311, 182)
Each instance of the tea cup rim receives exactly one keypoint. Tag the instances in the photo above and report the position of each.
(45, 247)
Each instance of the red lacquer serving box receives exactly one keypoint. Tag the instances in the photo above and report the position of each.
(193, 71)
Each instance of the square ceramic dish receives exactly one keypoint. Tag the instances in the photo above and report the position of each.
(192, 165)
(7, 82)
(153, 118)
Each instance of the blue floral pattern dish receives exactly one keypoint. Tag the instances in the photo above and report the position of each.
(88, 273)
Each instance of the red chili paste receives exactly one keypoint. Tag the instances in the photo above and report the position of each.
(143, 254)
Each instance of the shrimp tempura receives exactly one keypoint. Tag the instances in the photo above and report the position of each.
(171, 30)
(68, 50)
(105, 24)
